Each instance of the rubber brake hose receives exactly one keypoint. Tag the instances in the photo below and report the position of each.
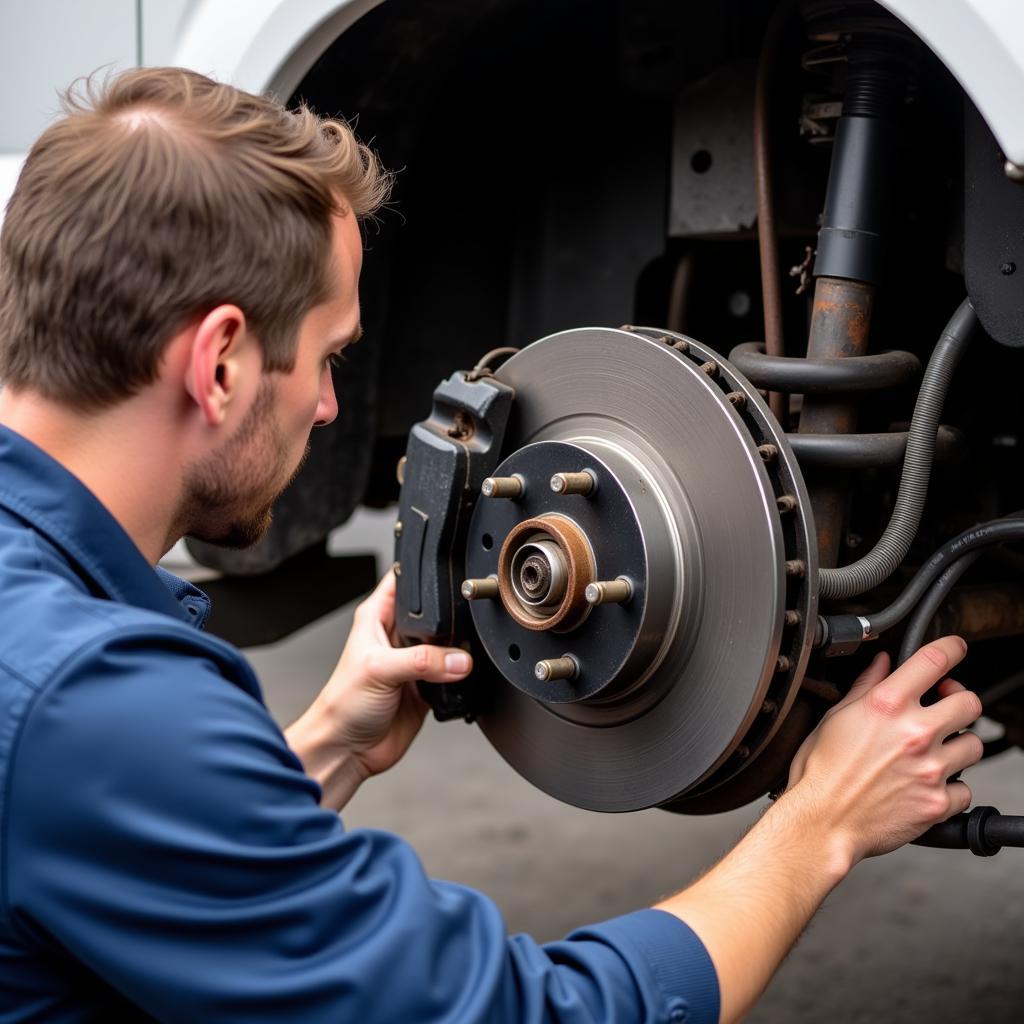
(892, 547)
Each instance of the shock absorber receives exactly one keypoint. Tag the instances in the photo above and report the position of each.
(849, 260)
(878, 59)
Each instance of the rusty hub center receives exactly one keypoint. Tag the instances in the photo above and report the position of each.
(544, 567)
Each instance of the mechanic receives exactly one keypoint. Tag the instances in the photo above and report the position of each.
(179, 270)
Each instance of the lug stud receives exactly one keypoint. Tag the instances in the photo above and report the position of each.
(513, 487)
(785, 503)
(796, 567)
(476, 590)
(615, 591)
(791, 618)
(737, 399)
(768, 452)
(566, 667)
(574, 483)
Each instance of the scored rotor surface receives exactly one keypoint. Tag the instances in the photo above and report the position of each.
(691, 713)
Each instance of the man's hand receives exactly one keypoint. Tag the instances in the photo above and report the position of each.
(370, 711)
(877, 765)
(871, 777)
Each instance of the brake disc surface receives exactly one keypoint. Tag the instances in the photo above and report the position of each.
(700, 506)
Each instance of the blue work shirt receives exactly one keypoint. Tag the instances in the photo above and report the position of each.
(163, 854)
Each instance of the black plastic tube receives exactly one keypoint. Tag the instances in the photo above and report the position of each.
(998, 531)
(982, 830)
(923, 614)
(882, 560)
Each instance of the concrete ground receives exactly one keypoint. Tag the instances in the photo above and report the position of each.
(919, 935)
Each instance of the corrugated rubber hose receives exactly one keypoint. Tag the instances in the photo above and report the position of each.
(892, 547)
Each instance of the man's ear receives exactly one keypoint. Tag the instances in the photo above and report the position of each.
(214, 368)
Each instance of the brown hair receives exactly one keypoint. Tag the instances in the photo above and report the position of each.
(158, 196)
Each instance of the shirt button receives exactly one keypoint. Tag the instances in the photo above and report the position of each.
(679, 1011)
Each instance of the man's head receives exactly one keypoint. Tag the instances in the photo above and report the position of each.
(173, 231)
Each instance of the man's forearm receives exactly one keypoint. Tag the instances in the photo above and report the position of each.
(334, 767)
(751, 907)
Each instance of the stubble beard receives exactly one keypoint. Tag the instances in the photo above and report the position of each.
(229, 495)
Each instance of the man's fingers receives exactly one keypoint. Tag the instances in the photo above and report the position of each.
(959, 798)
(376, 612)
(948, 686)
(871, 676)
(961, 752)
(424, 661)
(926, 667)
(957, 711)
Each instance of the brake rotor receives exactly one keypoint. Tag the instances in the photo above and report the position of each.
(651, 540)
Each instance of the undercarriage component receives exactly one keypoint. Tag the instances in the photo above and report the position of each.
(983, 831)
(655, 574)
(448, 458)
(851, 246)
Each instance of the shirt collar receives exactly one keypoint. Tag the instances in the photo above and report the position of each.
(55, 503)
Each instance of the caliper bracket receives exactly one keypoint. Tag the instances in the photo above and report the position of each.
(448, 457)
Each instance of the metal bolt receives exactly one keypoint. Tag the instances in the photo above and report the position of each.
(398, 529)
(681, 346)
(574, 483)
(400, 471)
(783, 664)
(742, 752)
(791, 618)
(785, 503)
(609, 592)
(738, 399)
(796, 567)
(768, 452)
(769, 707)
(566, 667)
(1007, 268)
(475, 590)
(503, 487)
(710, 368)
(397, 567)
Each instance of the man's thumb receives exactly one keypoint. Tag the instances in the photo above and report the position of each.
(424, 661)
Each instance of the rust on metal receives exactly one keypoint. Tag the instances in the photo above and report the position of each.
(477, 590)
(551, 669)
(983, 612)
(840, 326)
(579, 561)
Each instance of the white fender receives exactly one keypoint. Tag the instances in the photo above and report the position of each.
(262, 45)
(982, 44)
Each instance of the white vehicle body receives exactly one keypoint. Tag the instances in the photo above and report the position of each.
(269, 45)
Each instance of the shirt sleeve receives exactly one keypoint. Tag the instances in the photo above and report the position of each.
(161, 831)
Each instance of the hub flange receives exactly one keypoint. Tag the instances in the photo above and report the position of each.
(679, 688)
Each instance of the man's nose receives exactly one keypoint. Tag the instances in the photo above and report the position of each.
(327, 407)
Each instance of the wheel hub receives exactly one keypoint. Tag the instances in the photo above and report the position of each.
(650, 619)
